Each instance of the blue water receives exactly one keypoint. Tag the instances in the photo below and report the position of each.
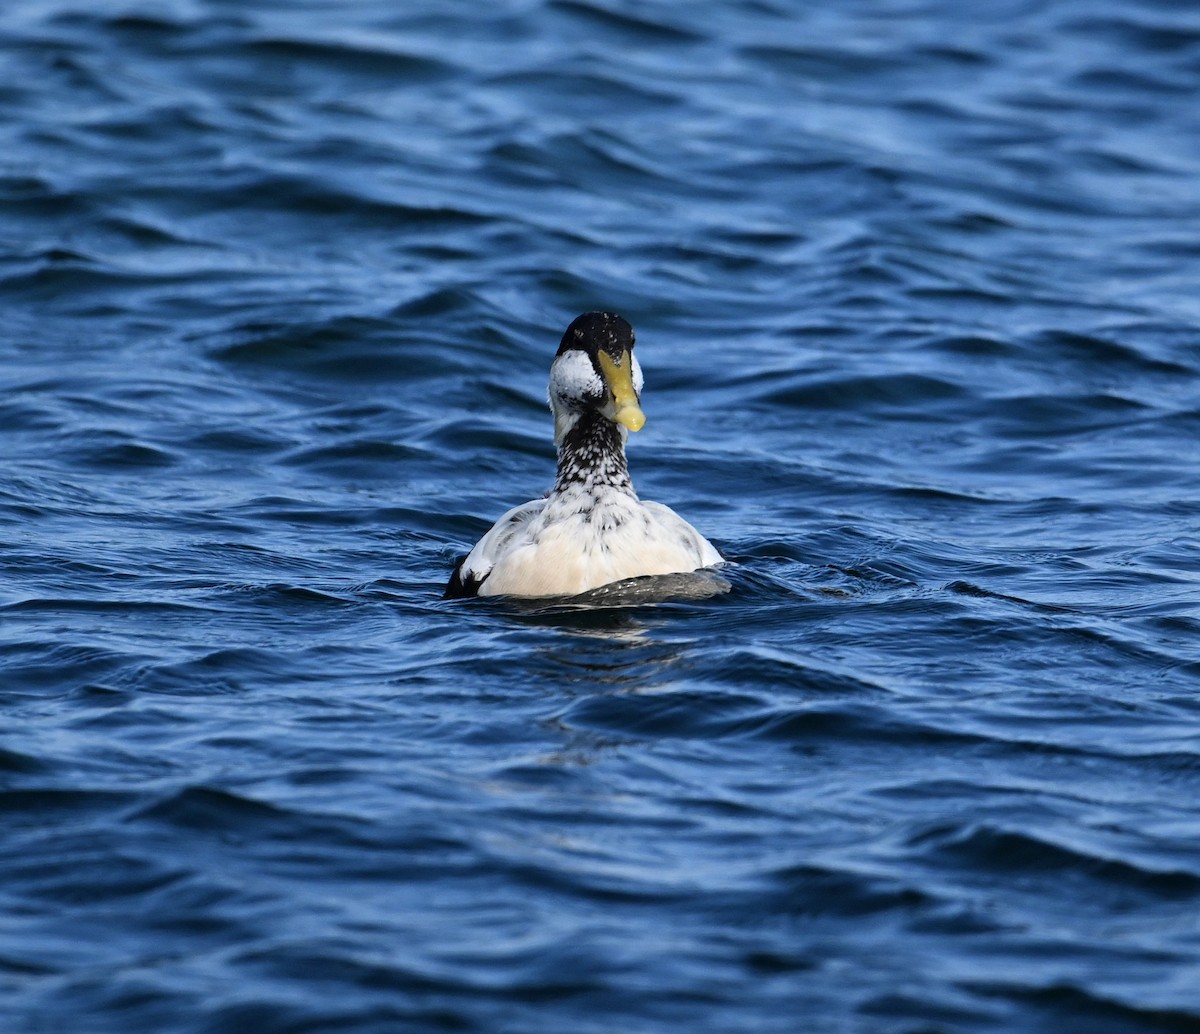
(915, 286)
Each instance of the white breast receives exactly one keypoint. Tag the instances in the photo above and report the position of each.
(576, 541)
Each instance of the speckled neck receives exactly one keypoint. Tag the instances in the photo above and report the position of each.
(592, 454)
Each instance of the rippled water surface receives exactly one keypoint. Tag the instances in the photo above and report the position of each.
(916, 291)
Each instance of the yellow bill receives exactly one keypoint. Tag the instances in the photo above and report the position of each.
(618, 375)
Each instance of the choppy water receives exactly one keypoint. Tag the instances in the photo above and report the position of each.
(916, 292)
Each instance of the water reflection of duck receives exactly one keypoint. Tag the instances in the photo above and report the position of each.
(591, 529)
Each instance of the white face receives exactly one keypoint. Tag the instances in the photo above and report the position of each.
(575, 382)
(575, 385)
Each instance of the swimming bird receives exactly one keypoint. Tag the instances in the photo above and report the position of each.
(591, 529)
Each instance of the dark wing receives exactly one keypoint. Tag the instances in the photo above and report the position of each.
(460, 587)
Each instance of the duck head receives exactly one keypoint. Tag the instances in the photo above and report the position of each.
(595, 371)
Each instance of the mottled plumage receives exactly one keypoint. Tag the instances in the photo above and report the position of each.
(591, 529)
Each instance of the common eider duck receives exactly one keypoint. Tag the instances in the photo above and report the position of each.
(591, 529)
